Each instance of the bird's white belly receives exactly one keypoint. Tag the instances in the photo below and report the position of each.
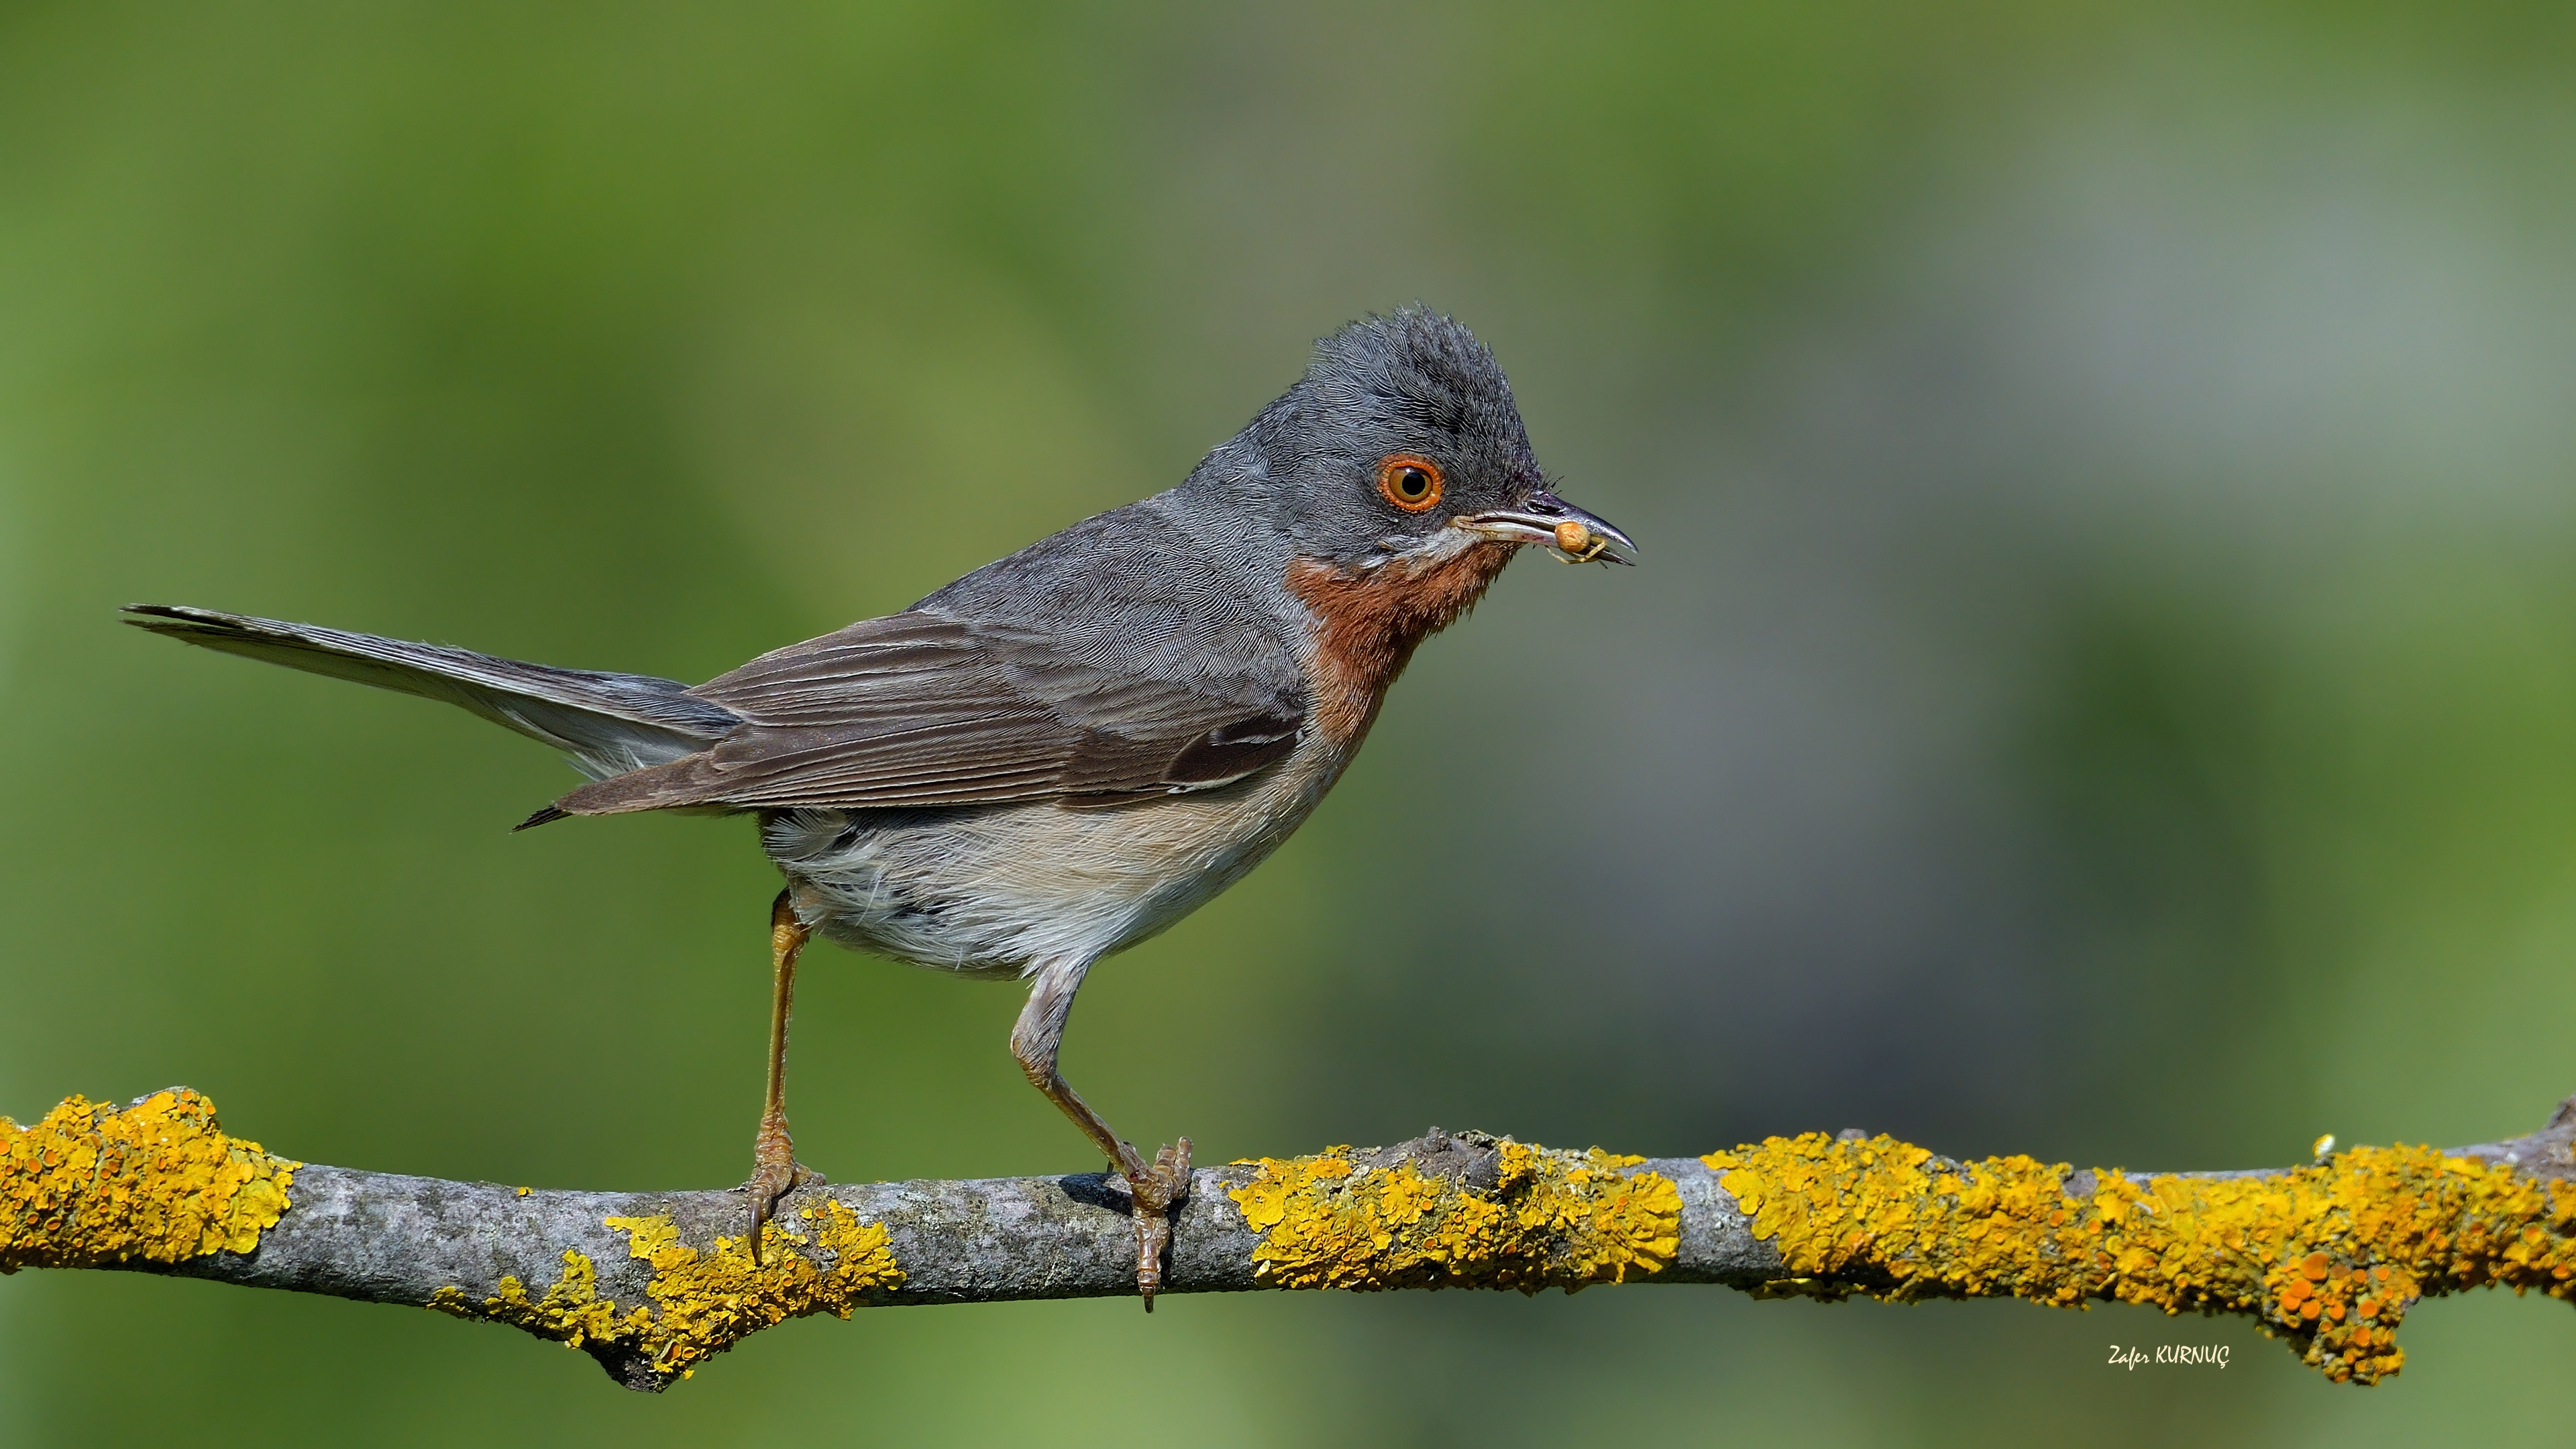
(996, 890)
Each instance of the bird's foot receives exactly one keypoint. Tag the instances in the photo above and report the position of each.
(775, 1173)
(1153, 1190)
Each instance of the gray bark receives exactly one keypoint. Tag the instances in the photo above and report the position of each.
(387, 1238)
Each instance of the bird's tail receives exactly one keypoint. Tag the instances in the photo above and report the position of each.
(607, 724)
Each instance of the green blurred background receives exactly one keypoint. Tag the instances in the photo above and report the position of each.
(2102, 684)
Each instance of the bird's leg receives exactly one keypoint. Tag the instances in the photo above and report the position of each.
(1152, 1188)
(775, 1172)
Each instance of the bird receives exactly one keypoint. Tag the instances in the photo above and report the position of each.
(1065, 751)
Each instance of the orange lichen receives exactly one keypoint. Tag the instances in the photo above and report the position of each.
(702, 1302)
(2329, 1256)
(93, 1185)
(1552, 1219)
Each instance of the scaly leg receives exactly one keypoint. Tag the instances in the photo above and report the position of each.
(1152, 1189)
(775, 1172)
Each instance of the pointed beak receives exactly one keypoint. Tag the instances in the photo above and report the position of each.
(1545, 519)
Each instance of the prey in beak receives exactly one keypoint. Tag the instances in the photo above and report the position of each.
(1573, 535)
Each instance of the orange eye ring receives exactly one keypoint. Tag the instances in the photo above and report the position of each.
(1409, 481)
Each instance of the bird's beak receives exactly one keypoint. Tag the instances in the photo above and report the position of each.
(1543, 518)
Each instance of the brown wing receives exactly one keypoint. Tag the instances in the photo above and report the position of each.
(921, 709)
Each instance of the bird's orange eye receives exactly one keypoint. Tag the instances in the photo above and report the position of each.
(1409, 481)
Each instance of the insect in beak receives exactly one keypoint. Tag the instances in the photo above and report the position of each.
(1545, 519)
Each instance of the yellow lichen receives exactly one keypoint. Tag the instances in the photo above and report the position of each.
(1552, 1219)
(93, 1184)
(702, 1302)
(571, 1311)
(2330, 1256)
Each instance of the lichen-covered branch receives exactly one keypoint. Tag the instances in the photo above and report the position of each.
(2329, 1256)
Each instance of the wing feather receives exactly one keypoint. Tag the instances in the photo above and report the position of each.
(926, 709)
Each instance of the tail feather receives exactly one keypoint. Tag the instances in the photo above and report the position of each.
(608, 724)
(544, 815)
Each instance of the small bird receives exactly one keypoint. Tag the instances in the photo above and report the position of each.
(1066, 751)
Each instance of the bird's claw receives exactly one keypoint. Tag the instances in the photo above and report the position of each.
(775, 1173)
(1152, 1191)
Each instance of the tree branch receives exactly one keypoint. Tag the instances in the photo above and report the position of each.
(2329, 1256)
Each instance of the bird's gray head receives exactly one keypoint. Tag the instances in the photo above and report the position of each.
(1402, 440)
